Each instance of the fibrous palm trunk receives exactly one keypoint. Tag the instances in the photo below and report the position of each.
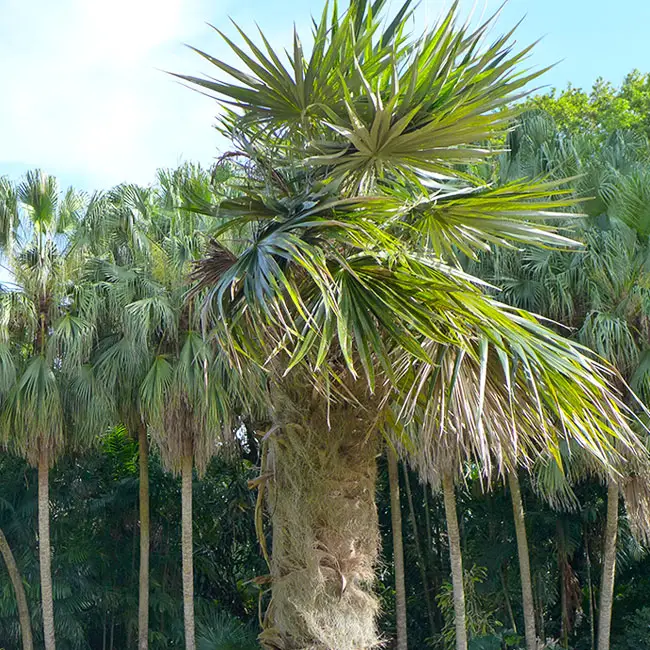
(524, 562)
(19, 590)
(455, 555)
(398, 550)
(609, 568)
(143, 597)
(187, 551)
(321, 478)
(44, 552)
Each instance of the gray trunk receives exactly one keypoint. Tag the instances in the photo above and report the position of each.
(398, 550)
(320, 472)
(187, 551)
(524, 562)
(609, 568)
(19, 590)
(44, 552)
(456, 558)
(143, 596)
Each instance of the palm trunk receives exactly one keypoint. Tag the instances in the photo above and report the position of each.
(524, 562)
(19, 589)
(590, 591)
(609, 568)
(321, 499)
(398, 550)
(456, 558)
(44, 551)
(422, 565)
(187, 551)
(143, 596)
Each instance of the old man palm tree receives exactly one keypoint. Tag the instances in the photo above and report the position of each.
(337, 267)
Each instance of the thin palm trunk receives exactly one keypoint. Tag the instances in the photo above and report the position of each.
(456, 558)
(609, 568)
(524, 562)
(143, 598)
(19, 589)
(427, 523)
(422, 565)
(590, 591)
(398, 550)
(44, 552)
(187, 551)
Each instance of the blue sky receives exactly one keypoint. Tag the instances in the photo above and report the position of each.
(84, 96)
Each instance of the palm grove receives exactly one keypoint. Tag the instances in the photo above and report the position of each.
(318, 316)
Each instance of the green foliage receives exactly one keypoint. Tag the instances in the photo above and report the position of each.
(220, 631)
(49, 396)
(481, 621)
(637, 631)
(602, 110)
(94, 534)
(354, 257)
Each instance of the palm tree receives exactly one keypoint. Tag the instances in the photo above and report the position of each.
(176, 386)
(181, 395)
(609, 568)
(448, 441)
(49, 396)
(118, 238)
(19, 590)
(355, 206)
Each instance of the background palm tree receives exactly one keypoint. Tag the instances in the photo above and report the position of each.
(528, 601)
(49, 395)
(119, 240)
(456, 556)
(155, 351)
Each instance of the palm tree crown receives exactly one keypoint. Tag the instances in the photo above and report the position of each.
(353, 258)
